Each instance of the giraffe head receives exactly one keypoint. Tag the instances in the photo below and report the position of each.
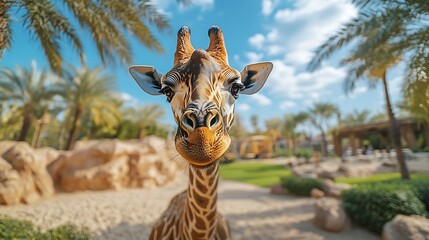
(202, 88)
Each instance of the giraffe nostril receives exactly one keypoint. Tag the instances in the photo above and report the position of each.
(189, 122)
(214, 120)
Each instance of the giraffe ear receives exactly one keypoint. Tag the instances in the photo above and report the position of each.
(254, 76)
(147, 78)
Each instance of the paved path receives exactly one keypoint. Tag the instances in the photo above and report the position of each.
(128, 214)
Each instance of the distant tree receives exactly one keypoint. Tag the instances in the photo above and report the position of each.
(255, 123)
(30, 89)
(320, 114)
(290, 123)
(238, 130)
(274, 129)
(107, 22)
(416, 99)
(87, 90)
(357, 117)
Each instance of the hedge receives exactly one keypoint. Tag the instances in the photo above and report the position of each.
(372, 206)
(300, 186)
(20, 229)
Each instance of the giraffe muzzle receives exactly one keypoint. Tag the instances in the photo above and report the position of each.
(193, 119)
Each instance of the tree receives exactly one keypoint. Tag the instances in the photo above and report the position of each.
(290, 123)
(238, 130)
(274, 129)
(357, 117)
(89, 91)
(255, 123)
(320, 114)
(107, 22)
(384, 31)
(30, 89)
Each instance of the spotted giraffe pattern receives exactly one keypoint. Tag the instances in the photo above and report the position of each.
(192, 214)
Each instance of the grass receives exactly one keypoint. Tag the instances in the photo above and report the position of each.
(265, 174)
(260, 174)
(380, 177)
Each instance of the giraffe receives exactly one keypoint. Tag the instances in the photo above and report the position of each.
(201, 89)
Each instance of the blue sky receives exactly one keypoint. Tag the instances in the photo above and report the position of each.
(283, 32)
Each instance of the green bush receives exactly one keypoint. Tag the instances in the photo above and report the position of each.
(300, 186)
(281, 152)
(421, 189)
(306, 153)
(20, 229)
(373, 205)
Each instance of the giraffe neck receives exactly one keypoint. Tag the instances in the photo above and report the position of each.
(200, 211)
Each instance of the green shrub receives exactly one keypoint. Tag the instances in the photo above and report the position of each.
(300, 186)
(17, 229)
(373, 205)
(69, 232)
(281, 152)
(306, 153)
(421, 188)
(20, 229)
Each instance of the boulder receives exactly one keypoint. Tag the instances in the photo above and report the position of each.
(326, 175)
(277, 189)
(356, 169)
(317, 193)
(114, 164)
(406, 228)
(333, 189)
(23, 174)
(330, 215)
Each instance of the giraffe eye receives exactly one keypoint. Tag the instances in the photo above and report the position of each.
(168, 92)
(236, 88)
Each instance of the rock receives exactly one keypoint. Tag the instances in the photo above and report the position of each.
(406, 228)
(114, 164)
(333, 189)
(330, 215)
(317, 193)
(326, 175)
(277, 189)
(356, 169)
(23, 174)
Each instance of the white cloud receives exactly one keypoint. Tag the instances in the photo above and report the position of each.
(257, 40)
(286, 105)
(204, 4)
(297, 31)
(285, 82)
(260, 99)
(356, 92)
(242, 107)
(128, 99)
(254, 57)
(267, 7)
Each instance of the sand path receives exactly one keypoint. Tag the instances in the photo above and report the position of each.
(128, 214)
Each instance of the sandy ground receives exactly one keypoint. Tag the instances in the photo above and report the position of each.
(128, 214)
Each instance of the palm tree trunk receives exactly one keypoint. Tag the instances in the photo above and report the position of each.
(73, 130)
(36, 135)
(324, 143)
(26, 124)
(395, 133)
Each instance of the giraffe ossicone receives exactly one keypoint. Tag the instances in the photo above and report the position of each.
(202, 89)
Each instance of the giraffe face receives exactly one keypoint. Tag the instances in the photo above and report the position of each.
(202, 89)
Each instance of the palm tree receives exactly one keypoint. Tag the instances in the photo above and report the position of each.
(274, 129)
(290, 123)
(30, 89)
(255, 123)
(357, 117)
(88, 90)
(320, 114)
(385, 31)
(107, 22)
